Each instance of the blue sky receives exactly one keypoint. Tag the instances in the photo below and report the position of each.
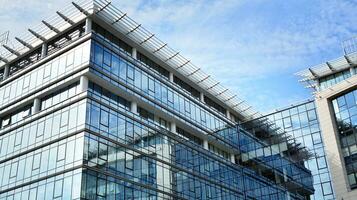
(253, 47)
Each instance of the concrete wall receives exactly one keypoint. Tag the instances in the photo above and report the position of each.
(331, 138)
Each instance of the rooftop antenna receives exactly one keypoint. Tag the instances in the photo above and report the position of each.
(350, 45)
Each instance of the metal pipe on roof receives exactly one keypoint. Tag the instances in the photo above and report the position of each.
(163, 46)
(120, 18)
(65, 18)
(54, 29)
(102, 8)
(134, 29)
(171, 57)
(192, 73)
(200, 81)
(330, 66)
(222, 92)
(348, 60)
(81, 9)
(11, 50)
(3, 59)
(147, 39)
(37, 35)
(213, 86)
(183, 64)
(24, 43)
(313, 73)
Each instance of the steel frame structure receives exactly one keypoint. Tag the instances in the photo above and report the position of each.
(311, 75)
(136, 32)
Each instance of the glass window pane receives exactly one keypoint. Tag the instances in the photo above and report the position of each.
(58, 189)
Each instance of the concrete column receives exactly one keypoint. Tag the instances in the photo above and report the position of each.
(171, 77)
(83, 83)
(228, 114)
(205, 144)
(6, 72)
(331, 139)
(134, 53)
(36, 106)
(285, 175)
(352, 71)
(44, 50)
(134, 107)
(88, 27)
(202, 97)
(233, 158)
(173, 127)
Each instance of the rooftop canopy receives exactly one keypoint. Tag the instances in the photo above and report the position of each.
(103, 9)
(310, 75)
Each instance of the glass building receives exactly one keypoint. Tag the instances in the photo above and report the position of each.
(93, 106)
(345, 109)
(300, 122)
(334, 84)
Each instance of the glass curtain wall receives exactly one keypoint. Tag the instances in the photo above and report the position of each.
(345, 108)
(301, 123)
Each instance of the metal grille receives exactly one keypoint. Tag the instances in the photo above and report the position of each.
(4, 38)
(349, 46)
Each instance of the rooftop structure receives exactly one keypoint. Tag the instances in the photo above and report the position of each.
(104, 10)
(300, 123)
(312, 76)
(334, 84)
(94, 106)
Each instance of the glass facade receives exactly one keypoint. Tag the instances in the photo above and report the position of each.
(97, 122)
(124, 73)
(345, 109)
(44, 75)
(301, 123)
(333, 79)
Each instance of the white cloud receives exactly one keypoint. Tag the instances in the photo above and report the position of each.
(240, 42)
